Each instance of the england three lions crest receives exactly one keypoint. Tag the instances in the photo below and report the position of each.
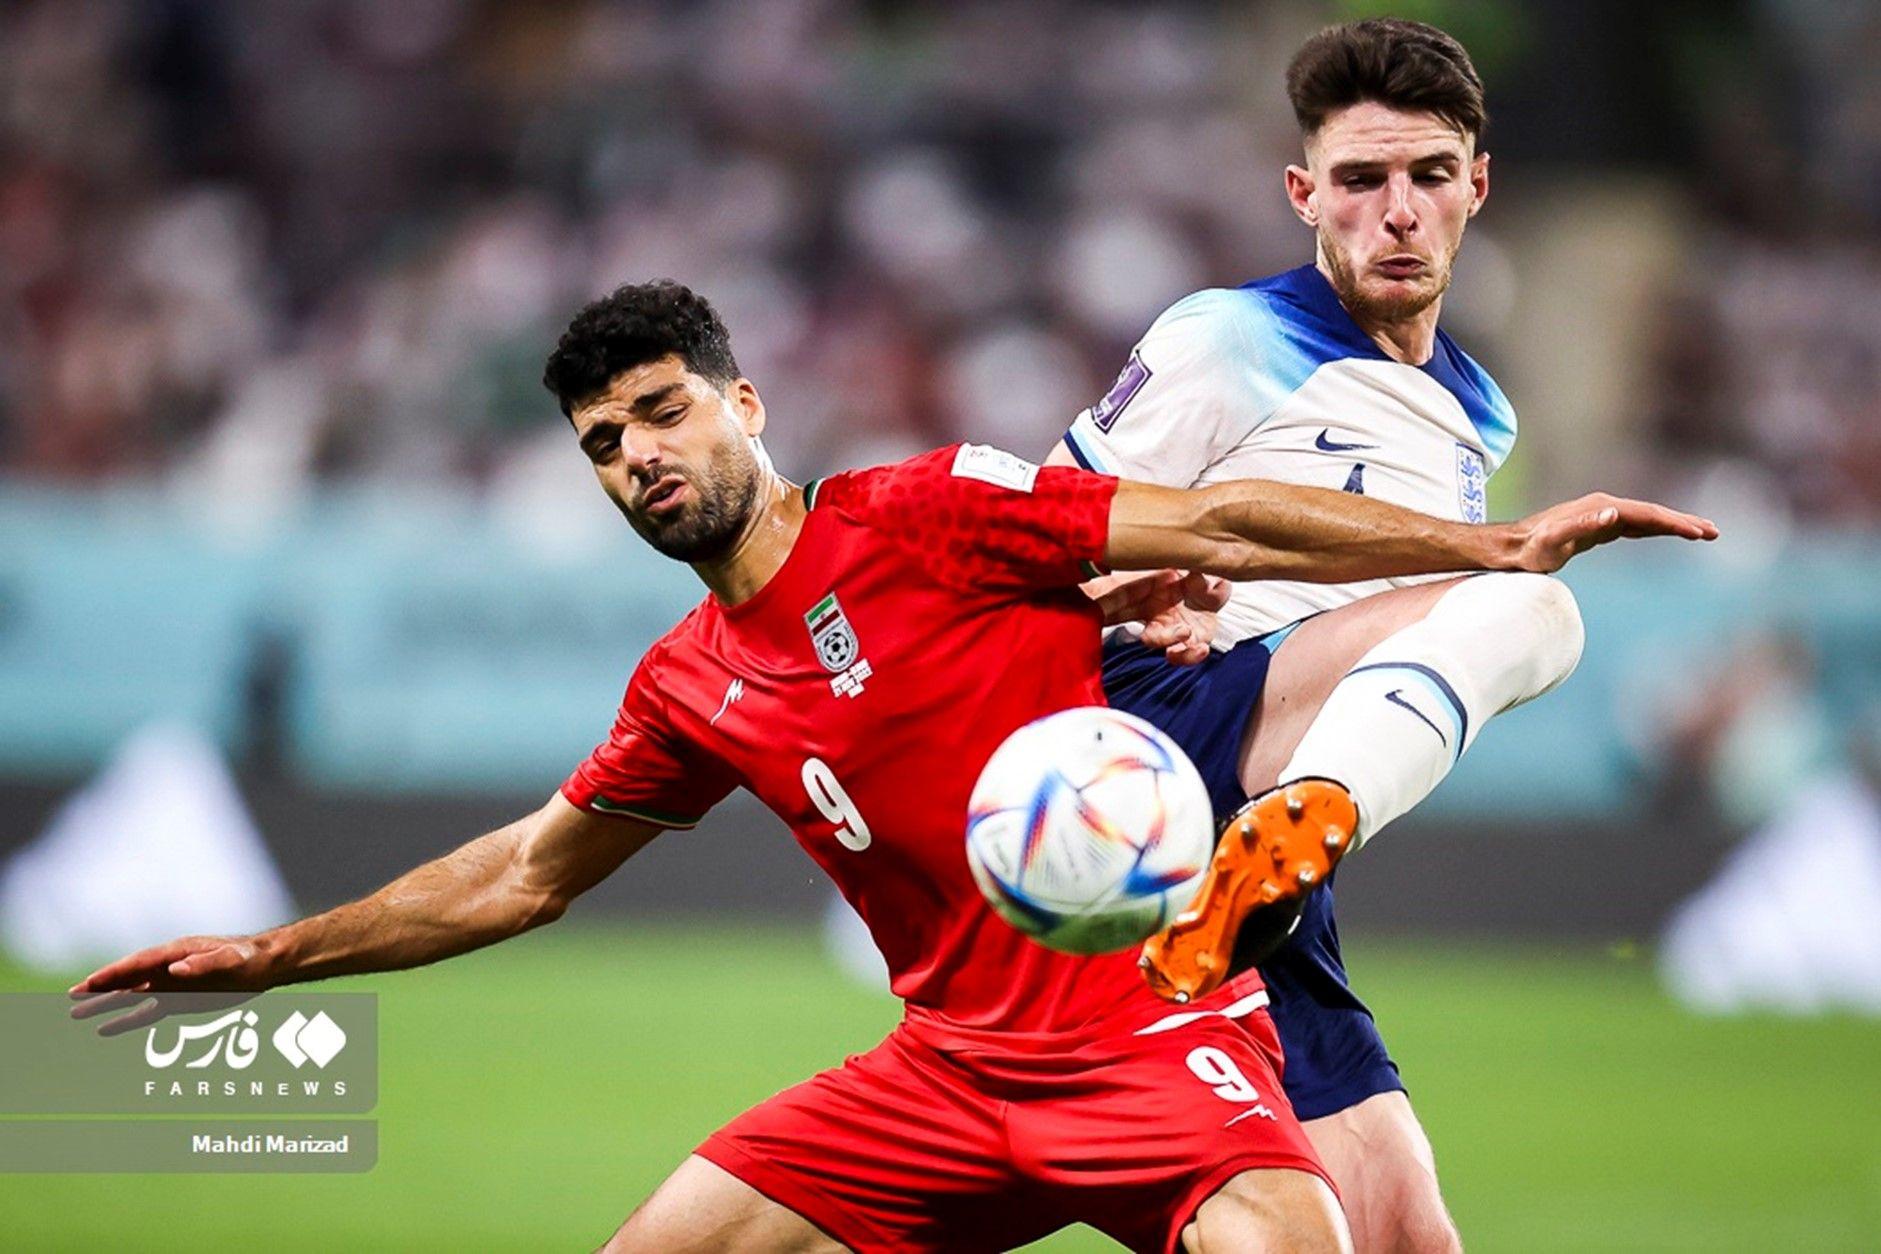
(836, 646)
(1472, 485)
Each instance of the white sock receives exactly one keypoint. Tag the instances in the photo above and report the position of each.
(1400, 719)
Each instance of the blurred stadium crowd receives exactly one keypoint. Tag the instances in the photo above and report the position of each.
(248, 248)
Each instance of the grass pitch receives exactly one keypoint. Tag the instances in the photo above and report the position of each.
(533, 1093)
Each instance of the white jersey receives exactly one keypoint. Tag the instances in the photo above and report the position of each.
(1274, 380)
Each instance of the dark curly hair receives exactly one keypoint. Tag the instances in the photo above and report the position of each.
(1404, 64)
(634, 324)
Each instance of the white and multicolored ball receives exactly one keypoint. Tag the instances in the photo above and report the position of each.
(1089, 830)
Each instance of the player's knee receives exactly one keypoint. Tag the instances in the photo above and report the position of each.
(1388, 1177)
(1531, 620)
(1434, 1232)
(702, 1207)
(656, 1224)
(1559, 634)
(1269, 1210)
(643, 1230)
(1418, 1224)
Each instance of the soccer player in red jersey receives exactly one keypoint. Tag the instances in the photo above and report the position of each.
(868, 640)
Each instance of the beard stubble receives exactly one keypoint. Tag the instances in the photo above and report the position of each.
(706, 528)
(1362, 305)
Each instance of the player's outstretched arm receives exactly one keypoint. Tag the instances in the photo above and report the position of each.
(497, 886)
(1252, 529)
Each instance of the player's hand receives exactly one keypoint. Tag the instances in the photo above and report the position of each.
(234, 965)
(1177, 609)
(1185, 627)
(1549, 539)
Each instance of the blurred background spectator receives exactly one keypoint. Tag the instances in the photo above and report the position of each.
(252, 247)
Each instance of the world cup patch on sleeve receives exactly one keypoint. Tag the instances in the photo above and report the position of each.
(1135, 374)
(995, 466)
(1472, 485)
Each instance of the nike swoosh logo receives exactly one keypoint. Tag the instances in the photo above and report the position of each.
(1326, 444)
(1395, 696)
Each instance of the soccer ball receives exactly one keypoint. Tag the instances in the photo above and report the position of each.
(1089, 830)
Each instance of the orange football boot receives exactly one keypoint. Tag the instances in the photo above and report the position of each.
(1277, 848)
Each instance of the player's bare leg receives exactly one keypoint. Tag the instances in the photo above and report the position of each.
(1193, 956)
(1387, 1175)
(1376, 1150)
(1494, 646)
(703, 1209)
(1446, 657)
(1274, 1211)
(1376, 699)
(1310, 664)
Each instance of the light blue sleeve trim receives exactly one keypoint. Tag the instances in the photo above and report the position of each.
(1498, 432)
(1083, 449)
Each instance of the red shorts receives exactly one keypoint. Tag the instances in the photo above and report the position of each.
(942, 1140)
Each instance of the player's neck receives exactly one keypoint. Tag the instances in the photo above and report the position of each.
(761, 548)
(1410, 340)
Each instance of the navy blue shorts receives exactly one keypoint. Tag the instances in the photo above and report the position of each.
(1334, 1055)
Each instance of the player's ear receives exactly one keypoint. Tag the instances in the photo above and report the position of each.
(1300, 194)
(748, 405)
(1479, 182)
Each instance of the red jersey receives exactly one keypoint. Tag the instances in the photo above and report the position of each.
(927, 610)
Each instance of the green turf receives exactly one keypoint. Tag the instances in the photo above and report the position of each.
(532, 1094)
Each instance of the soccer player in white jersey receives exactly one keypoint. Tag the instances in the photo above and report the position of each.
(1336, 375)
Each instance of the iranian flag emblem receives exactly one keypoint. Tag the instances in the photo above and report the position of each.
(834, 638)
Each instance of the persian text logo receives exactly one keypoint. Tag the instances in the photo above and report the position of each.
(232, 1038)
(235, 1030)
(301, 1040)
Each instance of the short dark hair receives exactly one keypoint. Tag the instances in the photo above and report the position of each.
(1390, 61)
(632, 325)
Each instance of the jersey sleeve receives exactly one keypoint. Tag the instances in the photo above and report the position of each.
(981, 518)
(1195, 386)
(644, 771)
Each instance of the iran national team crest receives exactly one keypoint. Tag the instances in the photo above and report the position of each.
(1472, 485)
(836, 646)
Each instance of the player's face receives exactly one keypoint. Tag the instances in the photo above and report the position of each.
(1389, 193)
(674, 453)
